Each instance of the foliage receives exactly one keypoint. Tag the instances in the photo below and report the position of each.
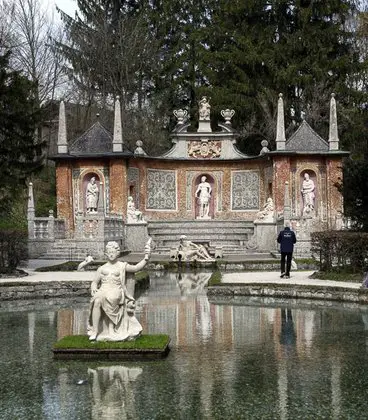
(340, 250)
(13, 247)
(29, 32)
(159, 56)
(338, 275)
(355, 192)
(157, 342)
(303, 49)
(111, 52)
(44, 187)
(215, 278)
(21, 153)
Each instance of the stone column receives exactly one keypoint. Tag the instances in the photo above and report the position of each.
(51, 226)
(280, 128)
(287, 207)
(62, 144)
(30, 212)
(333, 138)
(117, 142)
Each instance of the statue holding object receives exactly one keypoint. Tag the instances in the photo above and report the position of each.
(112, 308)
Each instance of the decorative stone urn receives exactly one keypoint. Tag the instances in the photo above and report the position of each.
(181, 115)
(227, 114)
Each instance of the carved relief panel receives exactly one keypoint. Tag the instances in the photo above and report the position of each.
(204, 149)
(245, 190)
(161, 189)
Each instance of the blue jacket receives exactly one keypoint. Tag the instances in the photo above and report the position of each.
(286, 239)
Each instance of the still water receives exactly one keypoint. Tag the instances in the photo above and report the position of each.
(243, 359)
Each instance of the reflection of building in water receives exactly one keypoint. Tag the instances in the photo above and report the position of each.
(112, 393)
(72, 322)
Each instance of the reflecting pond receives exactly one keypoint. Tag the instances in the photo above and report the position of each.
(250, 358)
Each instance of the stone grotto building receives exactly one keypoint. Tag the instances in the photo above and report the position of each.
(204, 187)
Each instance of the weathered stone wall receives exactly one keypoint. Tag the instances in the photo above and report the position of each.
(64, 194)
(335, 199)
(359, 296)
(186, 174)
(118, 187)
(42, 290)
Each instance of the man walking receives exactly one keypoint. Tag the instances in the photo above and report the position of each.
(286, 239)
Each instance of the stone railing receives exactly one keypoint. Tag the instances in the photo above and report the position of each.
(96, 227)
(47, 228)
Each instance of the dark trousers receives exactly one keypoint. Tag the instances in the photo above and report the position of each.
(286, 256)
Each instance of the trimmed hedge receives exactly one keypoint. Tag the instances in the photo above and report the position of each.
(337, 250)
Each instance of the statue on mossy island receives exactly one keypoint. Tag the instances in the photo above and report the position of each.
(112, 308)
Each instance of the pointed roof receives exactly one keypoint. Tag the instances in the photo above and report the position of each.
(305, 139)
(96, 140)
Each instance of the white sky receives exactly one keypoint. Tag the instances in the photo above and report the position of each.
(67, 6)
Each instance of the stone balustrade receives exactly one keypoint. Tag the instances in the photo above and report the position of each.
(46, 228)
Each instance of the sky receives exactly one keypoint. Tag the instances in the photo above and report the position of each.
(67, 6)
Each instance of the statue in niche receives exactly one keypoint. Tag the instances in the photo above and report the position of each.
(203, 193)
(204, 109)
(133, 215)
(112, 308)
(190, 251)
(92, 194)
(308, 194)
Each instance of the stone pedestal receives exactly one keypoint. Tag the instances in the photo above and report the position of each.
(265, 234)
(203, 218)
(204, 126)
(136, 236)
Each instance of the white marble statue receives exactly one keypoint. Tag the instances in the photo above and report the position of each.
(111, 316)
(203, 193)
(92, 196)
(267, 213)
(204, 109)
(190, 251)
(133, 215)
(308, 193)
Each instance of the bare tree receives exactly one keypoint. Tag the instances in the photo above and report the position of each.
(30, 33)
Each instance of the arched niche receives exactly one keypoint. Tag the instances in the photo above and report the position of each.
(198, 180)
(85, 179)
(308, 193)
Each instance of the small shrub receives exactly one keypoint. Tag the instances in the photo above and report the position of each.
(340, 250)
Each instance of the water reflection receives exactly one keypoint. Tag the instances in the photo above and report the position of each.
(112, 394)
(244, 358)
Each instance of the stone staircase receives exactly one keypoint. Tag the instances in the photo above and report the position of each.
(70, 250)
(230, 235)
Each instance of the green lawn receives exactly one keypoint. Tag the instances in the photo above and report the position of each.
(143, 342)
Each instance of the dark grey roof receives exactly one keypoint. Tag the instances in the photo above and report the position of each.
(97, 139)
(305, 139)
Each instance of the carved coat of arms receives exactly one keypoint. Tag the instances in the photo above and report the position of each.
(204, 149)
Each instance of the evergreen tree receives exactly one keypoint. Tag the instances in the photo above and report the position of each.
(21, 152)
(355, 191)
(180, 78)
(303, 48)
